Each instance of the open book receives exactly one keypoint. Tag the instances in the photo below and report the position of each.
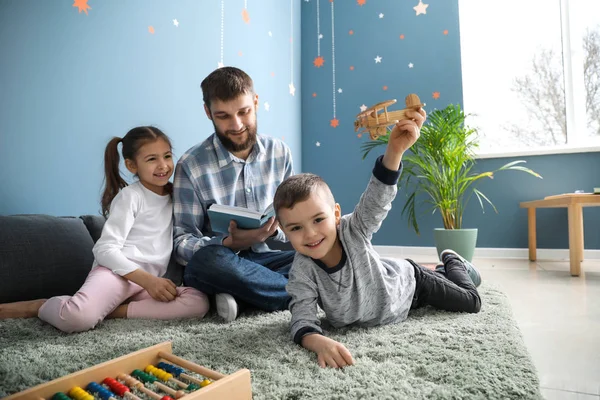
(220, 215)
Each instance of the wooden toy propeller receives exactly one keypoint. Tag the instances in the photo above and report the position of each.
(377, 118)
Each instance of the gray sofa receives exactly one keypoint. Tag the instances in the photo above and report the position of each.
(43, 256)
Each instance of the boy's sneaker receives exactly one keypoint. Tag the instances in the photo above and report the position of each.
(227, 307)
(473, 273)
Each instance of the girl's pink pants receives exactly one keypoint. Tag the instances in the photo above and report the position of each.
(103, 291)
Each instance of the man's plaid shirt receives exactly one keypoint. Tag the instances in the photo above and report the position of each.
(208, 173)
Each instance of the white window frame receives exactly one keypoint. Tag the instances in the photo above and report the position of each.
(576, 117)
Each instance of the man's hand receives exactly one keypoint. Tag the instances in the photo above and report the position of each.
(241, 239)
(329, 352)
(404, 134)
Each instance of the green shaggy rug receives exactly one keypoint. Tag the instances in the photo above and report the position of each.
(433, 355)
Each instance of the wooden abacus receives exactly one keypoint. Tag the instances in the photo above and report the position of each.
(376, 118)
(100, 379)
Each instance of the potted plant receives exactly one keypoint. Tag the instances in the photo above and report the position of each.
(440, 166)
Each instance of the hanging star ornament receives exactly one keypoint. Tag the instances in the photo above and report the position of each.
(292, 88)
(220, 64)
(318, 62)
(82, 5)
(334, 123)
(421, 8)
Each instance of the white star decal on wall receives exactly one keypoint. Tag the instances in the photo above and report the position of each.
(363, 108)
(340, 90)
(421, 8)
(410, 65)
(176, 23)
(318, 144)
(292, 88)
(377, 59)
(380, 15)
(321, 36)
(270, 33)
(267, 106)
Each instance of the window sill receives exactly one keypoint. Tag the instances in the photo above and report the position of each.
(539, 151)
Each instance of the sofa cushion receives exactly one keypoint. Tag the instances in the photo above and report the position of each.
(94, 224)
(42, 256)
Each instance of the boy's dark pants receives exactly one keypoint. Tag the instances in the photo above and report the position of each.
(453, 291)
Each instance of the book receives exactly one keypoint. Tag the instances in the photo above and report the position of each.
(220, 215)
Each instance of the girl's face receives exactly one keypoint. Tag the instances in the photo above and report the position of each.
(153, 165)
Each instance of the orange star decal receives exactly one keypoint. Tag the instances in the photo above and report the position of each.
(385, 88)
(350, 32)
(361, 2)
(352, 68)
(402, 36)
(151, 29)
(445, 31)
(240, 53)
(272, 73)
(82, 5)
(314, 94)
(359, 135)
(436, 95)
(334, 123)
(318, 62)
(245, 16)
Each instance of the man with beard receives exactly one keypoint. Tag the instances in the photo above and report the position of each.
(233, 166)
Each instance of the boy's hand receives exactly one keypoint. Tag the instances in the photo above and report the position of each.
(240, 239)
(404, 134)
(329, 352)
(161, 289)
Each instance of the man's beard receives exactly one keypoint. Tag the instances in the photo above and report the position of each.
(233, 146)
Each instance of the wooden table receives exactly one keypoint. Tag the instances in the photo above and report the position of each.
(574, 202)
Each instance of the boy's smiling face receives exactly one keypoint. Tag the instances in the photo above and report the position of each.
(311, 227)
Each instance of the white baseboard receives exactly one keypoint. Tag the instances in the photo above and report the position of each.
(489, 252)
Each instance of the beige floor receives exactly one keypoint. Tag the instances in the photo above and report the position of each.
(559, 316)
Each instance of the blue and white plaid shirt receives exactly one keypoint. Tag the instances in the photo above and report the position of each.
(208, 173)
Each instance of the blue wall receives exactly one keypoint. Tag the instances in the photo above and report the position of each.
(431, 43)
(70, 81)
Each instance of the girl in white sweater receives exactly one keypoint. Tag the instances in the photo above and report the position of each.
(134, 250)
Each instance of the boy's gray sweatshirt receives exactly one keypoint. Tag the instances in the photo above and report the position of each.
(363, 289)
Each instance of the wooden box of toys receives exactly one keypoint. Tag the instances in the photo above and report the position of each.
(152, 373)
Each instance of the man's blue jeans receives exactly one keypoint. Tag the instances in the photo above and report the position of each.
(257, 279)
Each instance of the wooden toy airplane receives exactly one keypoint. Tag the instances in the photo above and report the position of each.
(377, 118)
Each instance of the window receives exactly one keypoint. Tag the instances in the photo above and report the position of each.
(531, 73)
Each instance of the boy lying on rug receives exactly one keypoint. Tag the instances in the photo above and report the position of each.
(337, 268)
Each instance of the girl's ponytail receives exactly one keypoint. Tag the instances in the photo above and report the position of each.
(112, 175)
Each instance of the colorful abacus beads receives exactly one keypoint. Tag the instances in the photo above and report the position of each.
(134, 383)
(170, 368)
(120, 389)
(79, 394)
(60, 396)
(165, 376)
(179, 372)
(100, 391)
(144, 377)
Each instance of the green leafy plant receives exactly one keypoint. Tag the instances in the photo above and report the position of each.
(440, 165)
